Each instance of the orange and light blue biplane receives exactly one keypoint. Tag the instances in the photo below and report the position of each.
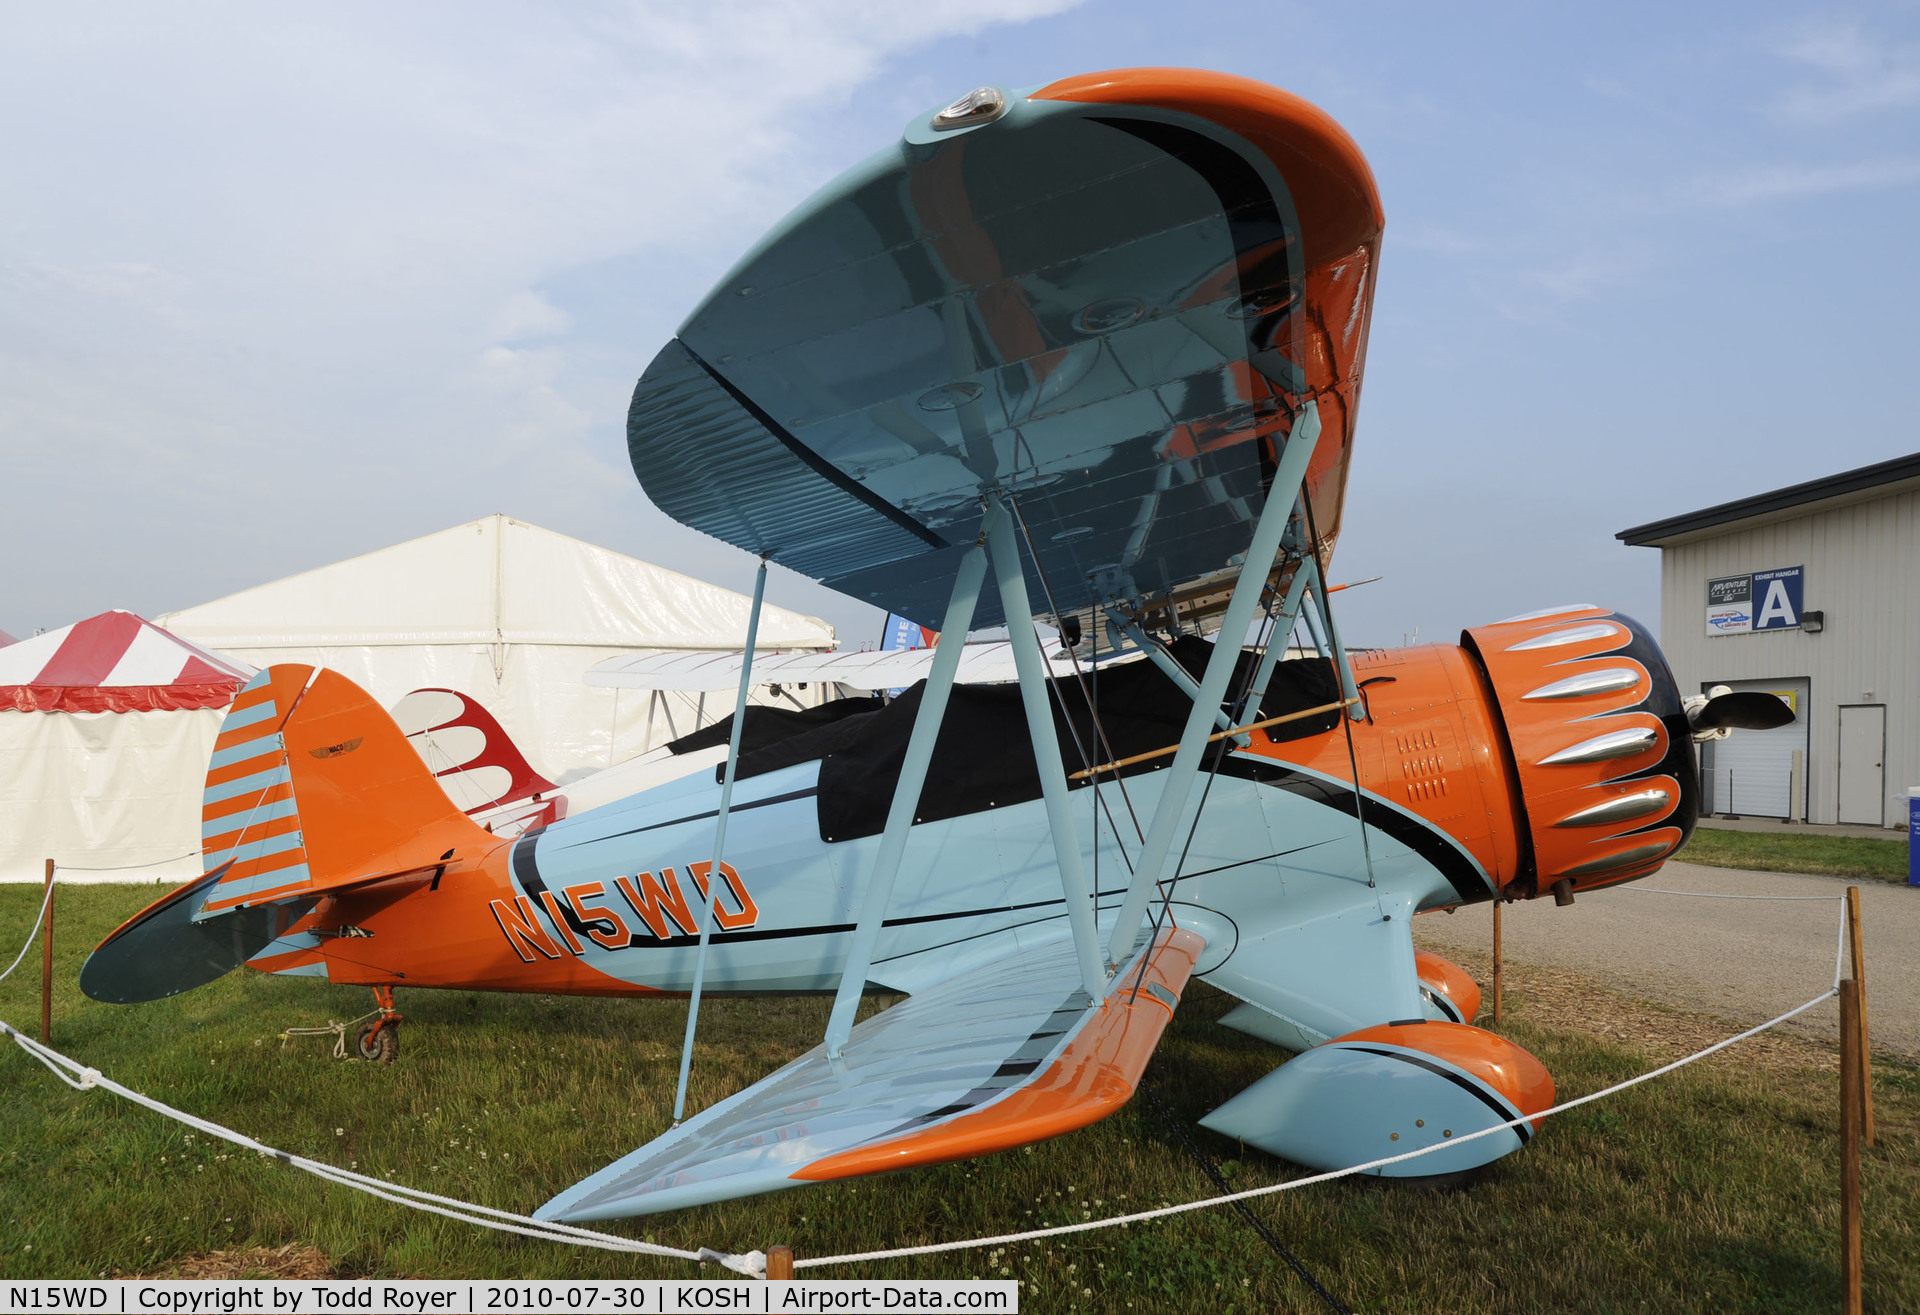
(1101, 342)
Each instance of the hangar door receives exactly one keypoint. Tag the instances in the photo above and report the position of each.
(1752, 771)
(1862, 762)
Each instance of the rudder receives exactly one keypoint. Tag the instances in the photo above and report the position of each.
(312, 787)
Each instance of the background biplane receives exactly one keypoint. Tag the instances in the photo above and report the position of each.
(1105, 339)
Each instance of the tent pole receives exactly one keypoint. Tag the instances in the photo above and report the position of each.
(1032, 666)
(719, 842)
(906, 792)
(1275, 516)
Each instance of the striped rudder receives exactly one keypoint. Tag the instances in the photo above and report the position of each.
(312, 787)
(249, 820)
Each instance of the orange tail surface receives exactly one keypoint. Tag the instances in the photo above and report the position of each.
(312, 788)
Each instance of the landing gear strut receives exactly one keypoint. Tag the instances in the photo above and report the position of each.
(379, 1041)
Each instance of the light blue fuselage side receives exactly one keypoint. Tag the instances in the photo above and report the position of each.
(1275, 879)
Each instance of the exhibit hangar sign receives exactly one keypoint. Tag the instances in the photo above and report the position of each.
(1764, 600)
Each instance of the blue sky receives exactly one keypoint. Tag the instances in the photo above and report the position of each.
(280, 286)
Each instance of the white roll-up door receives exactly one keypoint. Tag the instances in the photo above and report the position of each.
(1753, 770)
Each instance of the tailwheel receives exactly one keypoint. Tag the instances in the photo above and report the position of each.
(379, 1041)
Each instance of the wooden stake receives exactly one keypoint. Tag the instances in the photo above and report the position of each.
(1850, 1117)
(46, 965)
(1866, 1043)
(780, 1262)
(1497, 1012)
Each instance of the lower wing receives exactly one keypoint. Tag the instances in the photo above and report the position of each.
(1002, 1055)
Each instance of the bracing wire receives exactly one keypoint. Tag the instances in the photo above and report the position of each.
(1325, 603)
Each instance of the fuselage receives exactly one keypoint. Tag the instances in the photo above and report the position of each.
(1276, 875)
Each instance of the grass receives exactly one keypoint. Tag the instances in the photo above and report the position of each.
(1792, 851)
(1710, 1190)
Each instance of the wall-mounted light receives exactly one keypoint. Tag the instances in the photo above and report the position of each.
(1813, 623)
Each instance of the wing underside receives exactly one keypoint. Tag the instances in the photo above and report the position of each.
(1009, 1053)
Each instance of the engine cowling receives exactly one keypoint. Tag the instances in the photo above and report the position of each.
(1553, 747)
(1599, 742)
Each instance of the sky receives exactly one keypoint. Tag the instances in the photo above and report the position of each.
(284, 285)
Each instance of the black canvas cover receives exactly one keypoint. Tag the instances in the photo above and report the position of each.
(767, 726)
(984, 756)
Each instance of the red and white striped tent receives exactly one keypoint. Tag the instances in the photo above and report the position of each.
(114, 662)
(105, 730)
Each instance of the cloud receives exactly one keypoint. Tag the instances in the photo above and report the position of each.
(1790, 182)
(1863, 74)
(277, 285)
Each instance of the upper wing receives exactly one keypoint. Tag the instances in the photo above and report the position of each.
(1006, 1054)
(980, 664)
(1111, 300)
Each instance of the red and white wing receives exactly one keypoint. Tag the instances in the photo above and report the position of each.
(466, 750)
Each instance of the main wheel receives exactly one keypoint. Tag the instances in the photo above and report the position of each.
(378, 1042)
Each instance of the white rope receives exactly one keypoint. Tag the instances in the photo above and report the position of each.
(128, 867)
(37, 920)
(1162, 1212)
(1312, 1180)
(1707, 894)
(753, 1263)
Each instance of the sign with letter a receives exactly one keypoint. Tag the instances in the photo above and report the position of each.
(1765, 600)
(1776, 599)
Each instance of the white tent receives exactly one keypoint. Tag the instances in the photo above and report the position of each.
(105, 730)
(513, 616)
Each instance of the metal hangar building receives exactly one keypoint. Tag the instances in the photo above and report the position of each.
(1811, 592)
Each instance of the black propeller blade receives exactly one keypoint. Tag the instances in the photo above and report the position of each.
(1747, 710)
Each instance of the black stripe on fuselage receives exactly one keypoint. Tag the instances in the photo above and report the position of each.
(1460, 1080)
(1421, 837)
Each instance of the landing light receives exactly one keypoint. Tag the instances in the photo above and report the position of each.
(981, 105)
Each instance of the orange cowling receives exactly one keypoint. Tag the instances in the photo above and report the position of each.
(1599, 742)
(1430, 743)
(1552, 748)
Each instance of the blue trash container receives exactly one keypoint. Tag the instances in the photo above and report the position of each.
(1913, 835)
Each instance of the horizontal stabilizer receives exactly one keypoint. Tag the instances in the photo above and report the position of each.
(1009, 1053)
(162, 950)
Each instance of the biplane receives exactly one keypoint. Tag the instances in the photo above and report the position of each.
(1090, 354)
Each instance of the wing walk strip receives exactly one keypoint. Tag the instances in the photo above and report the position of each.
(1010, 1053)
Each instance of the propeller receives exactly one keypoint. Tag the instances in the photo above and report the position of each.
(1714, 716)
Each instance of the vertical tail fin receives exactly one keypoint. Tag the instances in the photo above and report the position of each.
(313, 787)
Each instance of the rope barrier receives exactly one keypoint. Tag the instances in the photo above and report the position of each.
(38, 918)
(89, 1079)
(128, 867)
(1708, 894)
(1314, 1179)
(1330, 1176)
(753, 1263)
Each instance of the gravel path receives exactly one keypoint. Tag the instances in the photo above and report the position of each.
(1744, 960)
